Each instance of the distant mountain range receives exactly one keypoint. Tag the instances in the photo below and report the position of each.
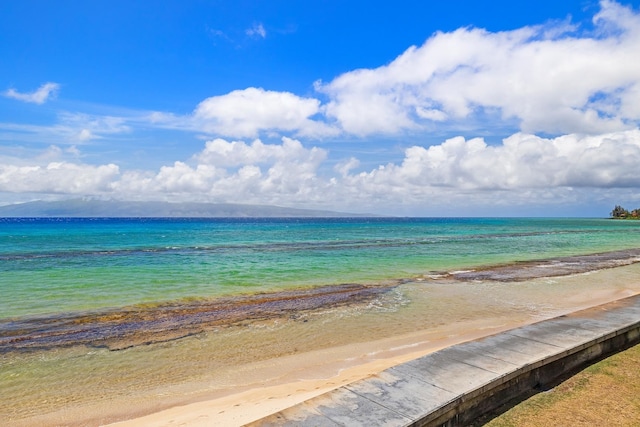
(100, 208)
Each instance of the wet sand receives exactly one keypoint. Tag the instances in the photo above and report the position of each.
(280, 349)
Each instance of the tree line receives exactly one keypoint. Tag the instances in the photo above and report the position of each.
(620, 212)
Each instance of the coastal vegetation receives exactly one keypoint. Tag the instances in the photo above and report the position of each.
(621, 213)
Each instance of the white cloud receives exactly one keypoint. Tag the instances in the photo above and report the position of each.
(553, 78)
(546, 79)
(257, 30)
(182, 178)
(245, 113)
(40, 96)
(522, 162)
(459, 176)
(235, 171)
(236, 153)
(58, 177)
(344, 167)
(85, 135)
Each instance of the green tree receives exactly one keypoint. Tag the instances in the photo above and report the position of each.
(619, 212)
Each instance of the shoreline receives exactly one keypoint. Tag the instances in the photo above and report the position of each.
(144, 324)
(325, 371)
(237, 374)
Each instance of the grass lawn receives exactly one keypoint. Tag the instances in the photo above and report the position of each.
(604, 394)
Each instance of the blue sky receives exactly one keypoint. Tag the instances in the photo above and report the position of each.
(405, 107)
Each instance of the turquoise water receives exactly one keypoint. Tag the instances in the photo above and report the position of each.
(50, 266)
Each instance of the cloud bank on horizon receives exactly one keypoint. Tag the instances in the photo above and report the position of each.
(566, 99)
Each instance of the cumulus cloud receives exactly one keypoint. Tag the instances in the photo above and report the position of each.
(39, 96)
(236, 171)
(220, 152)
(522, 161)
(245, 113)
(58, 178)
(545, 78)
(458, 173)
(344, 167)
(554, 78)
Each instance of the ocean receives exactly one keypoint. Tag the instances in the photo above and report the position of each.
(179, 307)
(51, 266)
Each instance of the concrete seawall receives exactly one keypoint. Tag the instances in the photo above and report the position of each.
(456, 385)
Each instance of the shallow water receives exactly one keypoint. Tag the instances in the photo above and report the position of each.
(102, 385)
(197, 333)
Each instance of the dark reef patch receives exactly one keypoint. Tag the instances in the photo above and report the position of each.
(562, 266)
(139, 325)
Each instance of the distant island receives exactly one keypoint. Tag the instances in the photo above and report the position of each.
(621, 213)
(90, 208)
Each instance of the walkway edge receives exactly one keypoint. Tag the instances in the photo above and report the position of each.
(531, 377)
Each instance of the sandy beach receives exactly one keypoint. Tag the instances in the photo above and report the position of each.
(310, 374)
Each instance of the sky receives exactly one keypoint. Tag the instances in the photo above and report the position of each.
(410, 108)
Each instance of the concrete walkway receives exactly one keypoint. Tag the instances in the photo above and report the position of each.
(456, 385)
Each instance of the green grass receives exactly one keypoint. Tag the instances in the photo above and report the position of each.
(604, 394)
